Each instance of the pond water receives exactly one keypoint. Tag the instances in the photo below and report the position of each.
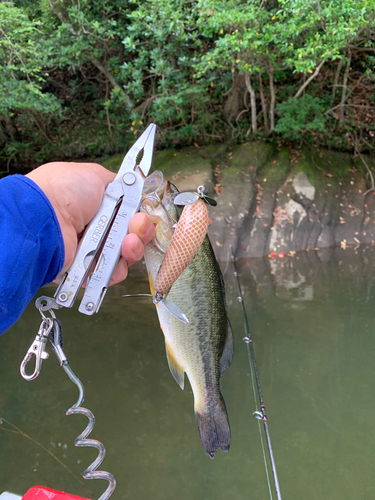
(313, 322)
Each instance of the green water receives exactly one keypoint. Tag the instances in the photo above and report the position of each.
(312, 321)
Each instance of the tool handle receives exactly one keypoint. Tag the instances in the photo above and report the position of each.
(99, 280)
(87, 249)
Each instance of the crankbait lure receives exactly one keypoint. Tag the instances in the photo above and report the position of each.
(186, 241)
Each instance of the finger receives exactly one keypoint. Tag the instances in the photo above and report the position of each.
(132, 248)
(141, 225)
(120, 272)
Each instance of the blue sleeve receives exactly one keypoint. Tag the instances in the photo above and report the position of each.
(31, 245)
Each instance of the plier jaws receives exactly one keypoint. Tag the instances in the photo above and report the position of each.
(139, 156)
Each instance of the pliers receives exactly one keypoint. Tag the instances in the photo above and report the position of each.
(104, 235)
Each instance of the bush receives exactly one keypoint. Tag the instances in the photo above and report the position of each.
(301, 116)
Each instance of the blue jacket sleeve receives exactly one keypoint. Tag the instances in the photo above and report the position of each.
(31, 245)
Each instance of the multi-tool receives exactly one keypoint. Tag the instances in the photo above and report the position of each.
(97, 254)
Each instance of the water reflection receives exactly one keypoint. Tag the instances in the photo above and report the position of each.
(312, 321)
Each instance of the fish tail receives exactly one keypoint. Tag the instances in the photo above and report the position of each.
(213, 428)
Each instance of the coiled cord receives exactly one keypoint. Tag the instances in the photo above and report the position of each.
(91, 472)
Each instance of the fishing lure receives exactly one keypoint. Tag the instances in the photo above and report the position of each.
(187, 238)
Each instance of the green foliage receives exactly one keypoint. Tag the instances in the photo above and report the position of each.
(161, 49)
(21, 64)
(296, 35)
(299, 117)
(84, 77)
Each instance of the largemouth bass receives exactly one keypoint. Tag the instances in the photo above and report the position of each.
(202, 349)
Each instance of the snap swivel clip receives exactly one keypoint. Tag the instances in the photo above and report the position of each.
(38, 348)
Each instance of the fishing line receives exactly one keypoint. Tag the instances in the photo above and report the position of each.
(259, 428)
(261, 415)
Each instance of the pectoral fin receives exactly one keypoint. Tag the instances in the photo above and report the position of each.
(226, 357)
(176, 370)
(151, 281)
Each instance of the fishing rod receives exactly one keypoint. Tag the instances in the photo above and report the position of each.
(260, 415)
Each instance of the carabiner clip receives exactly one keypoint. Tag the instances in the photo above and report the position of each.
(37, 349)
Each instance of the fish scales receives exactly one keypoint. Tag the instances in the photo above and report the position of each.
(203, 348)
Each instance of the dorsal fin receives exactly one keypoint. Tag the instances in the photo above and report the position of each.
(176, 370)
(226, 357)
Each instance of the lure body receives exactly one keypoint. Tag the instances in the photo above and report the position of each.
(186, 241)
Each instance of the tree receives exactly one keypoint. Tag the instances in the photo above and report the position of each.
(88, 75)
(21, 73)
(292, 39)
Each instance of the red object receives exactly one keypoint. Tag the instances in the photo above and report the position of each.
(41, 493)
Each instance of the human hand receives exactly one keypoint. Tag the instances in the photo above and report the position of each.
(75, 191)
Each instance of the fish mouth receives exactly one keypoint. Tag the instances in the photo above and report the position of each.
(153, 184)
(159, 190)
(157, 199)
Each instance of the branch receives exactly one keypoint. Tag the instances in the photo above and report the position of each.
(65, 19)
(109, 76)
(40, 126)
(337, 76)
(372, 188)
(63, 16)
(344, 85)
(246, 106)
(144, 106)
(263, 101)
(107, 111)
(252, 102)
(360, 49)
(273, 99)
(16, 53)
(316, 72)
(347, 96)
